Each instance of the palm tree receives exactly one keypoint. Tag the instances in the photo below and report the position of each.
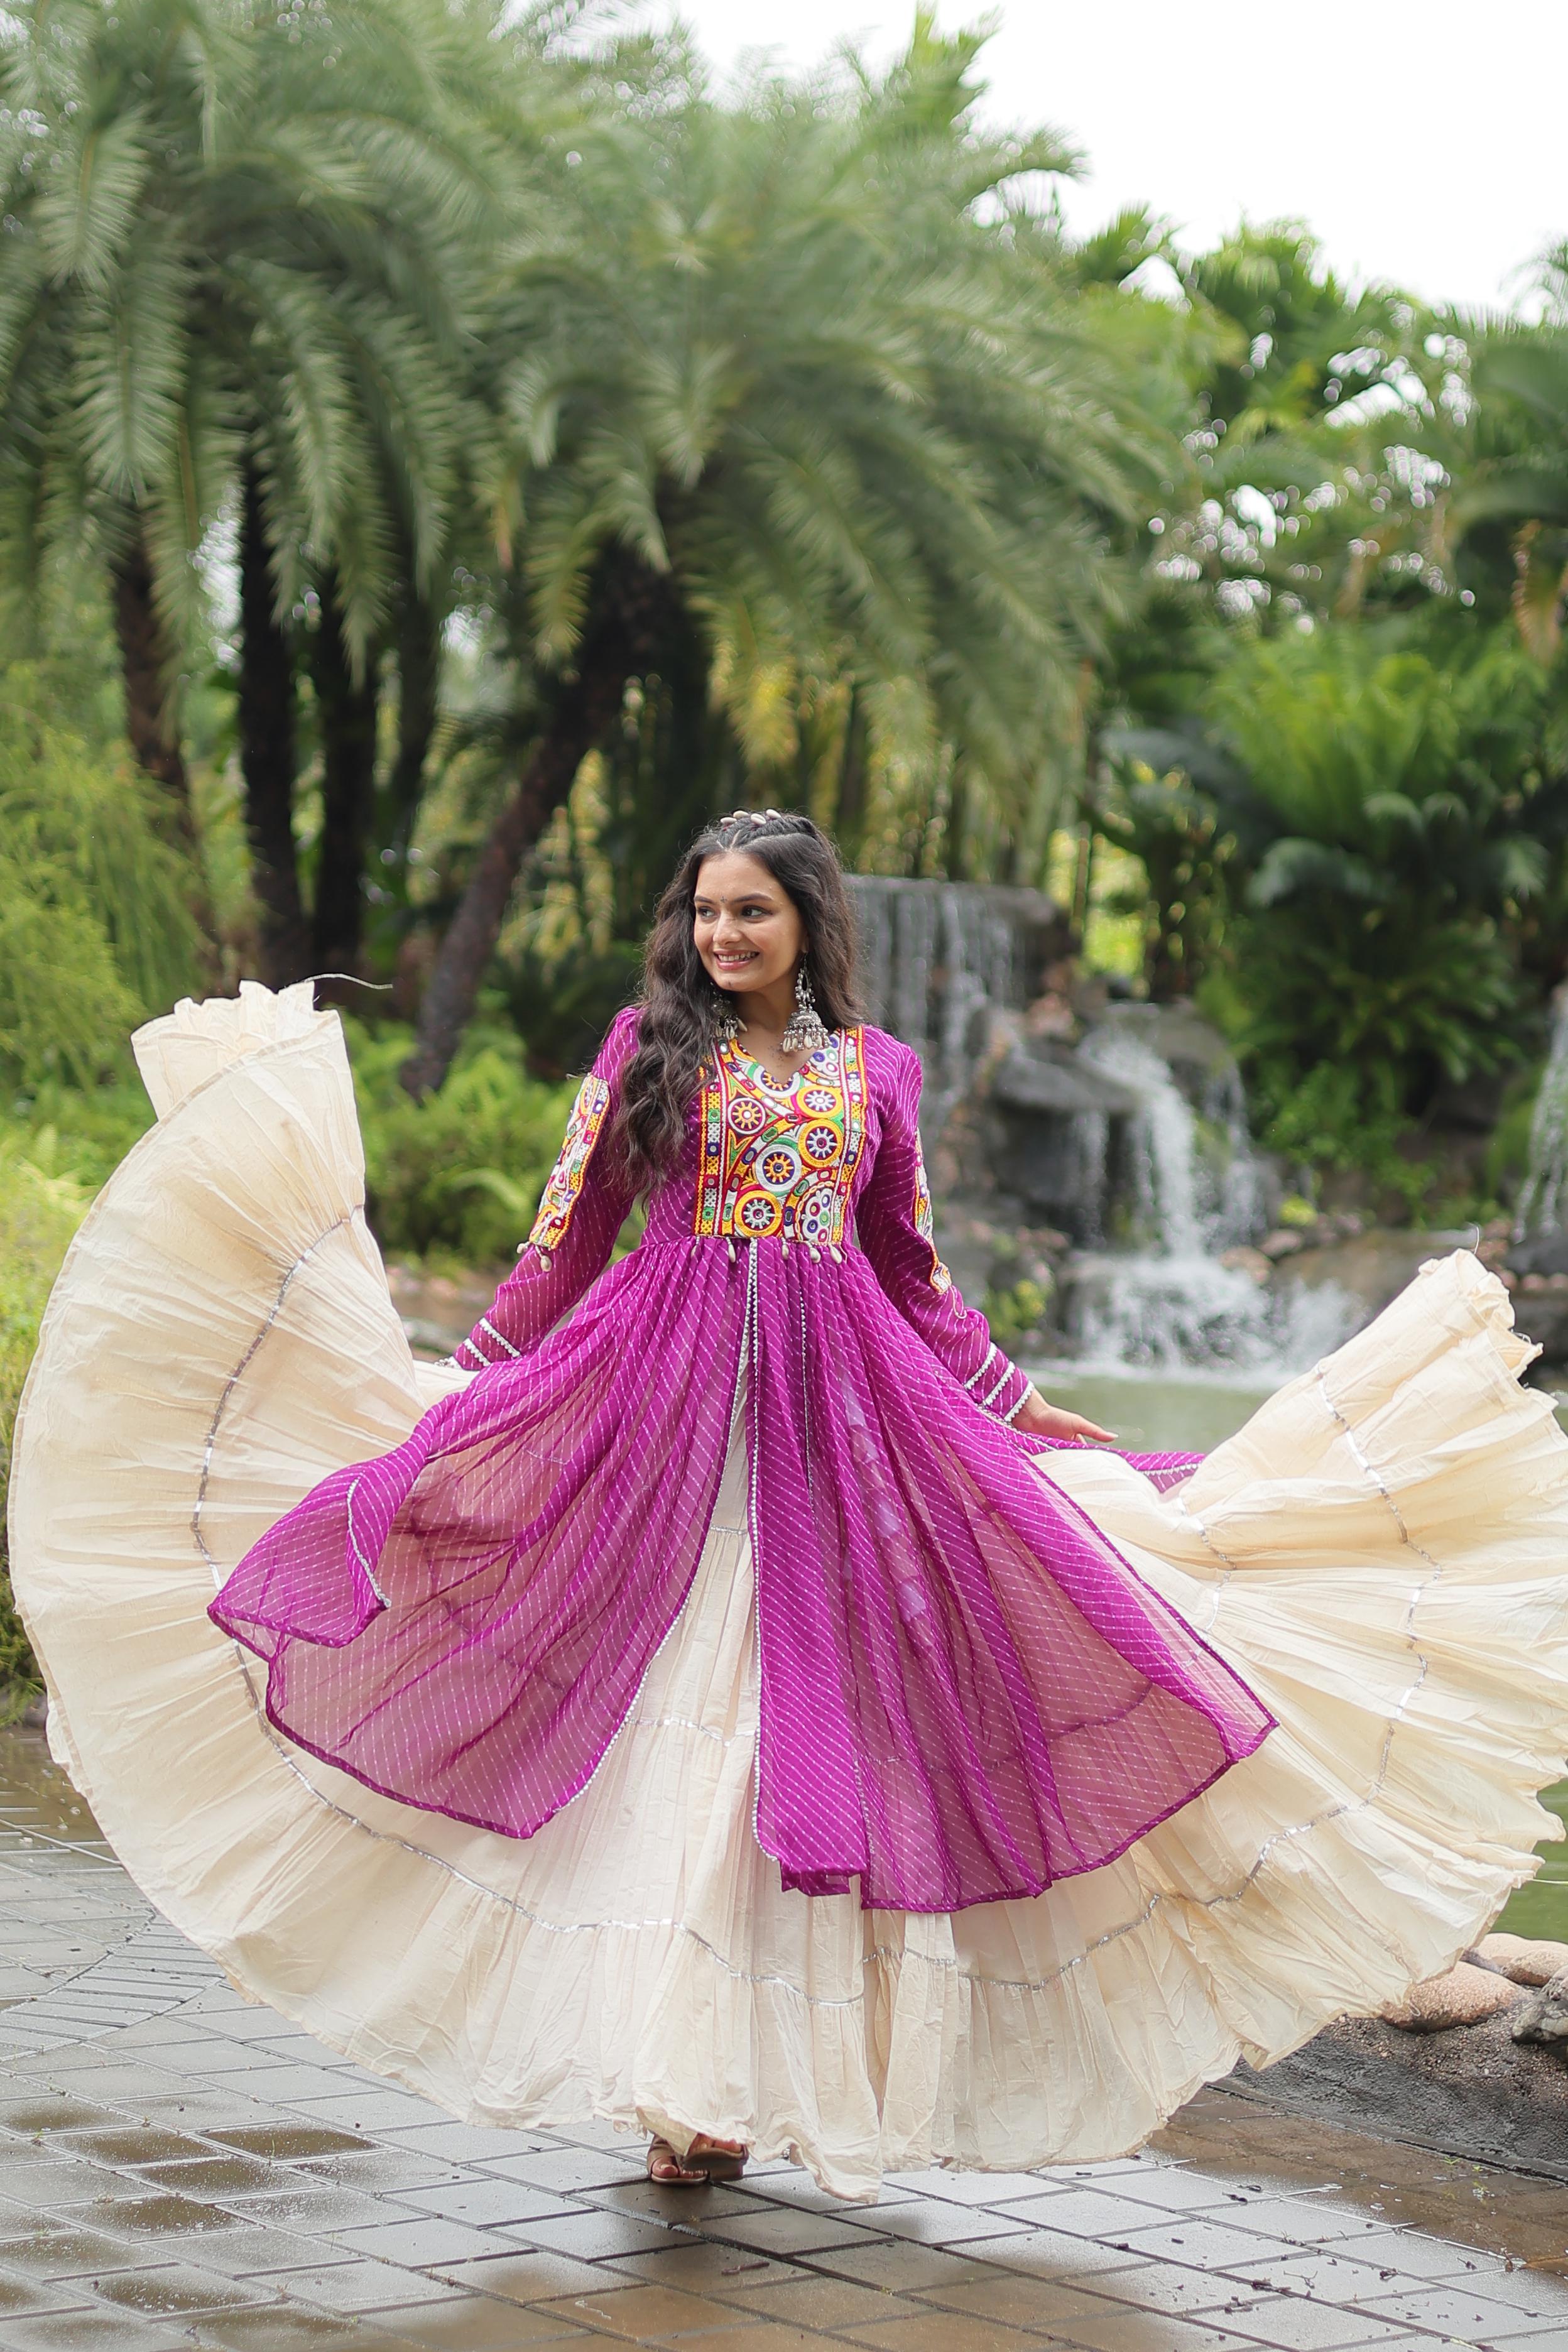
(1513, 485)
(242, 257)
(794, 380)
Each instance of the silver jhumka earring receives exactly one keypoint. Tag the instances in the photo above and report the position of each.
(727, 1023)
(807, 1033)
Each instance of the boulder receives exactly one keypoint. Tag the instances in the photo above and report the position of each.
(1528, 1960)
(1464, 1996)
(1478, 2096)
(1544, 2015)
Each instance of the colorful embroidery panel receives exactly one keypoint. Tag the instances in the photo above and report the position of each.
(925, 1223)
(780, 1157)
(559, 1197)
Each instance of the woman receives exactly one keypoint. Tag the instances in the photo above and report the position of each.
(738, 1705)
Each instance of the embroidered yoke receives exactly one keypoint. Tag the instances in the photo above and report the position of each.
(966, 1693)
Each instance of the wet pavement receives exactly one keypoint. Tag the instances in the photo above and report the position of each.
(179, 2168)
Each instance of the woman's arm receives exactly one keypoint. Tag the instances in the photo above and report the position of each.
(581, 1211)
(893, 1220)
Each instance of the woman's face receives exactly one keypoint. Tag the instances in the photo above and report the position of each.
(748, 930)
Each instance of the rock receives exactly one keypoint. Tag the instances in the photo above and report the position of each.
(1544, 2014)
(1283, 1242)
(1372, 1266)
(1248, 1261)
(1463, 1997)
(1548, 1253)
(1479, 2095)
(1528, 1960)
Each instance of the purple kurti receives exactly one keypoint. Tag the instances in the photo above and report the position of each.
(965, 1692)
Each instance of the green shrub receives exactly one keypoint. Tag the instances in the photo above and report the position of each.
(38, 1214)
(459, 1174)
(95, 929)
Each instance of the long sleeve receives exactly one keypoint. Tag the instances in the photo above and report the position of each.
(893, 1220)
(581, 1211)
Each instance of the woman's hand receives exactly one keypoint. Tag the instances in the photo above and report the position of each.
(1043, 1419)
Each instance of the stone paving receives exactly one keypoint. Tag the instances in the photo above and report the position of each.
(178, 2167)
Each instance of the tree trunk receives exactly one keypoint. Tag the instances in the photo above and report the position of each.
(155, 744)
(632, 609)
(268, 755)
(144, 666)
(419, 681)
(345, 719)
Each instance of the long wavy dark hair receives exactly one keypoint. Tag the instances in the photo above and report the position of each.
(681, 1008)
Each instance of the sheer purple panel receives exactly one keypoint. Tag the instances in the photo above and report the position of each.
(465, 1623)
(966, 1693)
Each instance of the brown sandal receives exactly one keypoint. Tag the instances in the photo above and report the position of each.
(705, 2162)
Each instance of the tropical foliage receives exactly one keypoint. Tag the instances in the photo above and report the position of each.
(468, 450)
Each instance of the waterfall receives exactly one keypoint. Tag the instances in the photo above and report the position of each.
(937, 959)
(1192, 1188)
(1543, 1197)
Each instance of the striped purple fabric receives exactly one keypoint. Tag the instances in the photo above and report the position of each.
(966, 1693)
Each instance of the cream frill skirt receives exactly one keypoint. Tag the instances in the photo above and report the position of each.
(1381, 1553)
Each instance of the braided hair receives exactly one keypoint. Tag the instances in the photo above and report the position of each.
(683, 1014)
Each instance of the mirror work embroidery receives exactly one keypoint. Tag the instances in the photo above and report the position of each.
(925, 1224)
(559, 1197)
(780, 1157)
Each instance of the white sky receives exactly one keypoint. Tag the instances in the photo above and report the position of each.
(1426, 140)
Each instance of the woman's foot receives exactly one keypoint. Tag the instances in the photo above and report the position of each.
(706, 2160)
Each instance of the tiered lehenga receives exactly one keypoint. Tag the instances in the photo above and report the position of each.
(702, 1708)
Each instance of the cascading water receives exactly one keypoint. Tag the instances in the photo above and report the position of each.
(1542, 1210)
(1193, 1188)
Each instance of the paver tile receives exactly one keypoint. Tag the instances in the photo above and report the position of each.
(1130, 2331)
(565, 2171)
(1027, 2303)
(1309, 2221)
(807, 2302)
(356, 2287)
(1051, 2254)
(112, 2331)
(418, 2243)
(645, 2314)
(460, 2143)
(1169, 2287)
(592, 2236)
(371, 2168)
(1212, 2244)
(293, 2141)
(146, 2145)
(706, 2265)
(966, 2188)
(1084, 2214)
(471, 2322)
(292, 2331)
(924, 2221)
(482, 2200)
(313, 2209)
(210, 2175)
(903, 2268)
(1177, 2188)
(174, 2288)
(1452, 2308)
(943, 2331)
(52, 2252)
(244, 2252)
(1303, 2326)
(525, 2278)
(780, 2231)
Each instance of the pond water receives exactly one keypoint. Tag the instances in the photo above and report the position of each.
(1193, 1412)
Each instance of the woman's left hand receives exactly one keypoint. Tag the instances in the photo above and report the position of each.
(1043, 1419)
